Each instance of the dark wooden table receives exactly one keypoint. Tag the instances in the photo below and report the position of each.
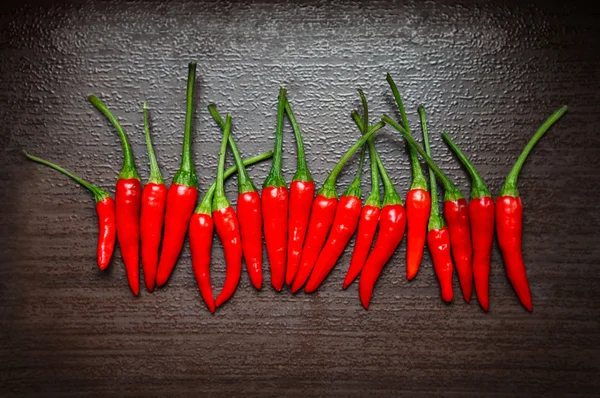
(488, 73)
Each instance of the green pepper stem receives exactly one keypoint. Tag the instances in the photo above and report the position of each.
(374, 197)
(436, 221)
(419, 181)
(220, 200)
(478, 189)
(155, 176)
(302, 172)
(451, 192)
(99, 194)
(275, 177)
(510, 186)
(128, 170)
(205, 205)
(186, 174)
(245, 183)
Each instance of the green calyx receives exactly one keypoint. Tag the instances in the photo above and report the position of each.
(374, 198)
(245, 183)
(355, 189)
(128, 171)
(205, 205)
(220, 200)
(510, 185)
(302, 172)
(186, 174)
(451, 191)
(419, 181)
(478, 189)
(99, 194)
(275, 177)
(155, 176)
(436, 221)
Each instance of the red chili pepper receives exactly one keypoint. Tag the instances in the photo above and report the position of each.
(481, 217)
(182, 195)
(274, 202)
(248, 211)
(457, 216)
(302, 194)
(128, 201)
(418, 200)
(201, 235)
(509, 219)
(154, 197)
(105, 208)
(392, 224)
(322, 215)
(438, 237)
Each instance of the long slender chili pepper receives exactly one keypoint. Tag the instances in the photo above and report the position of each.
(128, 201)
(481, 218)
(322, 215)
(509, 218)
(201, 234)
(369, 215)
(227, 225)
(274, 202)
(418, 200)
(392, 224)
(302, 194)
(105, 208)
(248, 211)
(438, 238)
(182, 194)
(152, 216)
(457, 216)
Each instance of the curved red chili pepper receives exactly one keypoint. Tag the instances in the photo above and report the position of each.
(418, 200)
(509, 219)
(182, 194)
(128, 201)
(302, 194)
(105, 208)
(274, 203)
(154, 197)
(481, 217)
(322, 215)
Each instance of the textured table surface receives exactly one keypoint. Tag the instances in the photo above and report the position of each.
(488, 74)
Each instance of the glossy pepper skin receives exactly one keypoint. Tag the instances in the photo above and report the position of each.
(128, 197)
(481, 218)
(509, 219)
(302, 194)
(274, 205)
(105, 208)
(182, 194)
(201, 236)
(418, 200)
(322, 216)
(249, 213)
(154, 196)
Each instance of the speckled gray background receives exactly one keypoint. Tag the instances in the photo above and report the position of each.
(488, 73)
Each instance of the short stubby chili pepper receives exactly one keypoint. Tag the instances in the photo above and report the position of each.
(438, 237)
(481, 218)
(509, 219)
(302, 194)
(182, 194)
(418, 200)
(201, 235)
(128, 197)
(227, 226)
(248, 211)
(456, 213)
(322, 215)
(274, 203)
(105, 208)
(154, 197)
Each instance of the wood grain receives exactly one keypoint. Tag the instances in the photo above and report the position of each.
(488, 73)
